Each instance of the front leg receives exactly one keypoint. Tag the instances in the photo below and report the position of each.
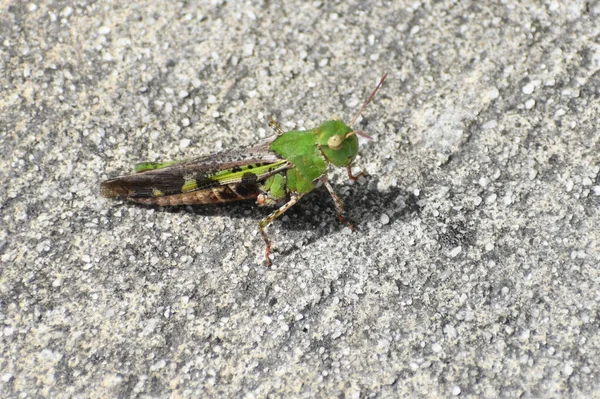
(339, 206)
(263, 224)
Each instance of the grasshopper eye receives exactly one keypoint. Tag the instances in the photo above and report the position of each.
(335, 142)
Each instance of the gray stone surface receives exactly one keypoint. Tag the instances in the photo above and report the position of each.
(474, 268)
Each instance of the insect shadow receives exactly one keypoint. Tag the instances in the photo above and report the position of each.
(316, 212)
(362, 205)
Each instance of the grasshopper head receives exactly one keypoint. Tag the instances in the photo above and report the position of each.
(338, 142)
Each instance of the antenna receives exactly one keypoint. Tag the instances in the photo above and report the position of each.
(367, 103)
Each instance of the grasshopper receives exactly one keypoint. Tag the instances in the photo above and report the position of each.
(282, 168)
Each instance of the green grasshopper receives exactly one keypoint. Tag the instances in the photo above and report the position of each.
(284, 167)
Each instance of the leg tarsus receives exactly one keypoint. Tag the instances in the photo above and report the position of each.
(263, 224)
(352, 177)
(275, 126)
(268, 245)
(339, 206)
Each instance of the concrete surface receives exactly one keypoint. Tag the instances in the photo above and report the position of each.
(474, 268)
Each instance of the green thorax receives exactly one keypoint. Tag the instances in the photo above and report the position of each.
(300, 148)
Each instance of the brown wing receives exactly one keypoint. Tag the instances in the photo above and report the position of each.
(227, 175)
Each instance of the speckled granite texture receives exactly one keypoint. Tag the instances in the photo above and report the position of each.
(474, 268)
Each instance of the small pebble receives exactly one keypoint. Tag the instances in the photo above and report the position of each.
(493, 93)
(569, 185)
(491, 199)
(384, 219)
(568, 370)
(454, 252)
(67, 11)
(529, 104)
(528, 88)
(489, 125)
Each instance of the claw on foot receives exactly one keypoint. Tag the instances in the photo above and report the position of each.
(352, 177)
